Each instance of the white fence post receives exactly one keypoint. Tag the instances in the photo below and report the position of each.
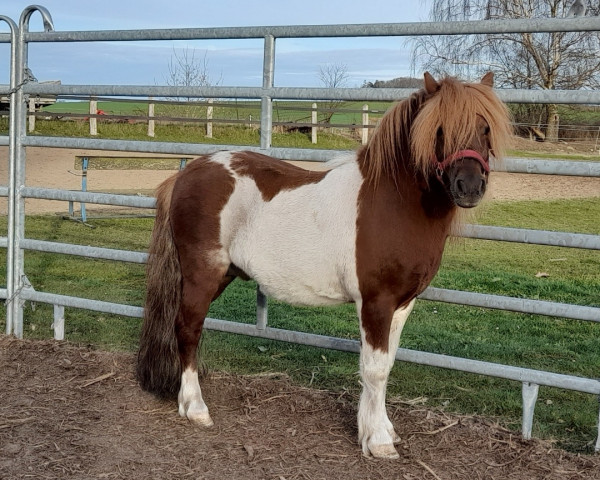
(32, 117)
(314, 121)
(365, 122)
(151, 118)
(209, 116)
(93, 120)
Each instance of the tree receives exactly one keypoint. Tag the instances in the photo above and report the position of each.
(333, 75)
(565, 60)
(186, 70)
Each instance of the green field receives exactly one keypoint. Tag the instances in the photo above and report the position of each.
(554, 344)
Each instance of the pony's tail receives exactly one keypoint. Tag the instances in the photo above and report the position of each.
(158, 365)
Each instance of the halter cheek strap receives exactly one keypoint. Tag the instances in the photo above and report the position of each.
(441, 166)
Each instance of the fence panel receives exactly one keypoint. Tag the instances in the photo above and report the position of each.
(18, 290)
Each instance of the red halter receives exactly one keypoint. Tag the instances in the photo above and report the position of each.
(441, 166)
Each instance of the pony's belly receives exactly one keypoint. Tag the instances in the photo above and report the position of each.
(297, 291)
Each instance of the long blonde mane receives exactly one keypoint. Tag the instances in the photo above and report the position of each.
(407, 134)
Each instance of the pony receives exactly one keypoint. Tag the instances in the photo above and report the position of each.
(369, 229)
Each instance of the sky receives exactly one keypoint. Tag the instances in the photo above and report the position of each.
(229, 62)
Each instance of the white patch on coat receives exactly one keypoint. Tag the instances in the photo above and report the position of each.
(191, 403)
(375, 430)
(300, 246)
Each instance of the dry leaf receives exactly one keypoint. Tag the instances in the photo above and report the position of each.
(542, 275)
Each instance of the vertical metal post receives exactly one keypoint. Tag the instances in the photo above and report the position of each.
(530, 394)
(84, 172)
(266, 128)
(12, 140)
(19, 111)
(597, 447)
(59, 322)
(266, 111)
(261, 310)
(314, 120)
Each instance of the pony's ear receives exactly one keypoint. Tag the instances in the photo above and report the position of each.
(431, 86)
(488, 79)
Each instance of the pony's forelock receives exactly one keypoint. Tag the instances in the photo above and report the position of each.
(455, 109)
(407, 134)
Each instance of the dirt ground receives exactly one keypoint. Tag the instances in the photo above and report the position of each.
(73, 412)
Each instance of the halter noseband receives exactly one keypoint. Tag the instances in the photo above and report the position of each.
(441, 166)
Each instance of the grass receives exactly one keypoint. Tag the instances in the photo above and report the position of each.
(532, 341)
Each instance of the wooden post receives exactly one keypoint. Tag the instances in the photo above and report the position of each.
(314, 122)
(93, 120)
(209, 116)
(31, 117)
(365, 122)
(150, 118)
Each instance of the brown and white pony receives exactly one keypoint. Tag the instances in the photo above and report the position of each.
(370, 229)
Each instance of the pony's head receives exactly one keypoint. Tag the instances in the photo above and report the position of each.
(444, 133)
(455, 132)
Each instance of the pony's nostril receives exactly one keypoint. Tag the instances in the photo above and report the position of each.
(460, 186)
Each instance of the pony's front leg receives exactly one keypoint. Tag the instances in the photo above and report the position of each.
(380, 334)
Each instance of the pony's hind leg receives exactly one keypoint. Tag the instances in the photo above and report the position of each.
(380, 335)
(200, 285)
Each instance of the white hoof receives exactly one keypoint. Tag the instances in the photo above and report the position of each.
(197, 414)
(202, 420)
(386, 451)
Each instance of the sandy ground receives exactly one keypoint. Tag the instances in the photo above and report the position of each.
(55, 168)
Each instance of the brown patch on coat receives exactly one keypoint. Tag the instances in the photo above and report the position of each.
(272, 175)
(200, 193)
(401, 233)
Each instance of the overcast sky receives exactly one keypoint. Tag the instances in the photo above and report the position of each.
(229, 62)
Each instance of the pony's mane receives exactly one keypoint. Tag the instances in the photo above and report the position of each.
(407, 133)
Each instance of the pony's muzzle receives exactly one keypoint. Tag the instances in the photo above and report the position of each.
(468, 182)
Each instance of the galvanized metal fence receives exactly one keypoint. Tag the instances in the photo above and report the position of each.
(18, 290)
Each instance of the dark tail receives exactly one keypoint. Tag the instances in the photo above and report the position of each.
(158, 364)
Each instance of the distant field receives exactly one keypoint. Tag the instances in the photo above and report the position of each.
(350, 112)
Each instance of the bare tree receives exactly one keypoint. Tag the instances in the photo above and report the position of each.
(333, 75)
(186, 69)
(565, 60)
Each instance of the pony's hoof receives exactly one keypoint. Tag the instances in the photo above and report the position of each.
(200, 419)
(386, 451)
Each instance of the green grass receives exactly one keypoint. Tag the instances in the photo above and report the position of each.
(559, 345)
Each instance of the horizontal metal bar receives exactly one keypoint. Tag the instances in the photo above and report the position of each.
(4, 140)
(3, 293)
(550, 167)
(83, 251)
(88, 197)
(84, 303)
(3, 191)
(510, 164)
(311, 31)
(537, 237)
(569, 382)
(298, 93)
(521, 305)
(193, 149)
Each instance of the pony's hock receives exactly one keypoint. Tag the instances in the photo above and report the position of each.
(369, 230)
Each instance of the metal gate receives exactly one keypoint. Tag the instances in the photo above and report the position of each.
(17, 291)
